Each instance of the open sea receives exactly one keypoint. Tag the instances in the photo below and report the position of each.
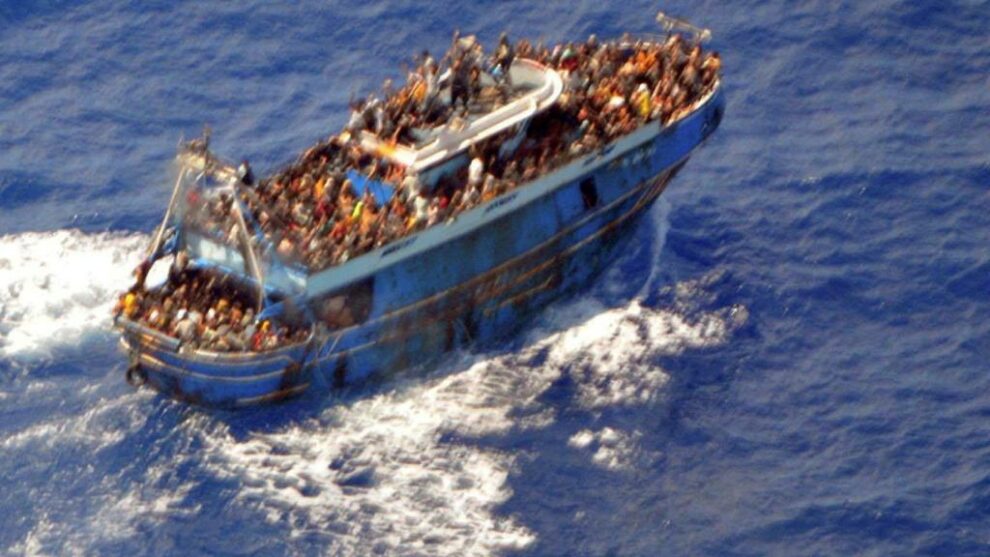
(791, 358)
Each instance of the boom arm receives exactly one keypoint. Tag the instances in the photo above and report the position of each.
(675, 24)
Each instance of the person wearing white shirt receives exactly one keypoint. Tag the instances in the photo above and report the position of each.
(475, 172)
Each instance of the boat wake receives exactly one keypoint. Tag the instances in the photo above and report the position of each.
(407, 468)
(402, 468)
(57, 286)
(96, 490)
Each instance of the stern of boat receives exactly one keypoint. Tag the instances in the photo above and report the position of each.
(212, 378)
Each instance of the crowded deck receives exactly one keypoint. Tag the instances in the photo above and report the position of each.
(350, 194)
(314, 215)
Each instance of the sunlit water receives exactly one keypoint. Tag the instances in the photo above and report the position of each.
(789, 358)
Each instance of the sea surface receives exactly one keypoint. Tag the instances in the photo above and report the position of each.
(791, 358)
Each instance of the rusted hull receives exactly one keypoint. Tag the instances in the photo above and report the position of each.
(212, 379)
(475, 280)
(491, 306)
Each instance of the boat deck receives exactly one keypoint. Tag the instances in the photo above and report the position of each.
(535, 88)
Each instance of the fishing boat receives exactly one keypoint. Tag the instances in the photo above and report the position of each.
(473, 277)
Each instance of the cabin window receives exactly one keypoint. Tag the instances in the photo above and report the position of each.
(589, 192)
(348, 306)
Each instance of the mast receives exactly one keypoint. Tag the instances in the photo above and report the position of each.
(252, 258)
(156, 244)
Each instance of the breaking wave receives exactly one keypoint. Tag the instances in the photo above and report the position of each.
(57, 286)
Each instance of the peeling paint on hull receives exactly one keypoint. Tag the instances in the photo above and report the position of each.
(497, 266)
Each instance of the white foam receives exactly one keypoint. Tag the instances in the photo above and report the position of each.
(103, 424)
(113, 507)
(57, 286)
(33, 543)
(383, 468)
(382, 473)
(616, 278)
(110, 514)
(659, 215)
(613, 449)
(611, 351)
(395, 471)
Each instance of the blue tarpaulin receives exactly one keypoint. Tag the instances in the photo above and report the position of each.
(382, 191)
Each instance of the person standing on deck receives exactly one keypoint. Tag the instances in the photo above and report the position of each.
(460, 84)
(504, 56)
(245, 174)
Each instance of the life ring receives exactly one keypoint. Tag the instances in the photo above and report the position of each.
(135, 376)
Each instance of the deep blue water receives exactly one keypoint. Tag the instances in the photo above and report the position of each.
(791, 359)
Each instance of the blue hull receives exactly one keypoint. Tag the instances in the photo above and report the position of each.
(214, 379)
(475, 280)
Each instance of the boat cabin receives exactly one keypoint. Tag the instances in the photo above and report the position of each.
(530, 89)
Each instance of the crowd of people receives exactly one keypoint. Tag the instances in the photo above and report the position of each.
(205, 310)
(418, 103)
(212, 217)
(312, 214)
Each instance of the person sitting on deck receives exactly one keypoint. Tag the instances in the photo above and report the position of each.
(488, 188)
(710, 68)
(641, 101)
(420, 207)
(474, 83)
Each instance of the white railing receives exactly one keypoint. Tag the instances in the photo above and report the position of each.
(451, 140)
(671, 24)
